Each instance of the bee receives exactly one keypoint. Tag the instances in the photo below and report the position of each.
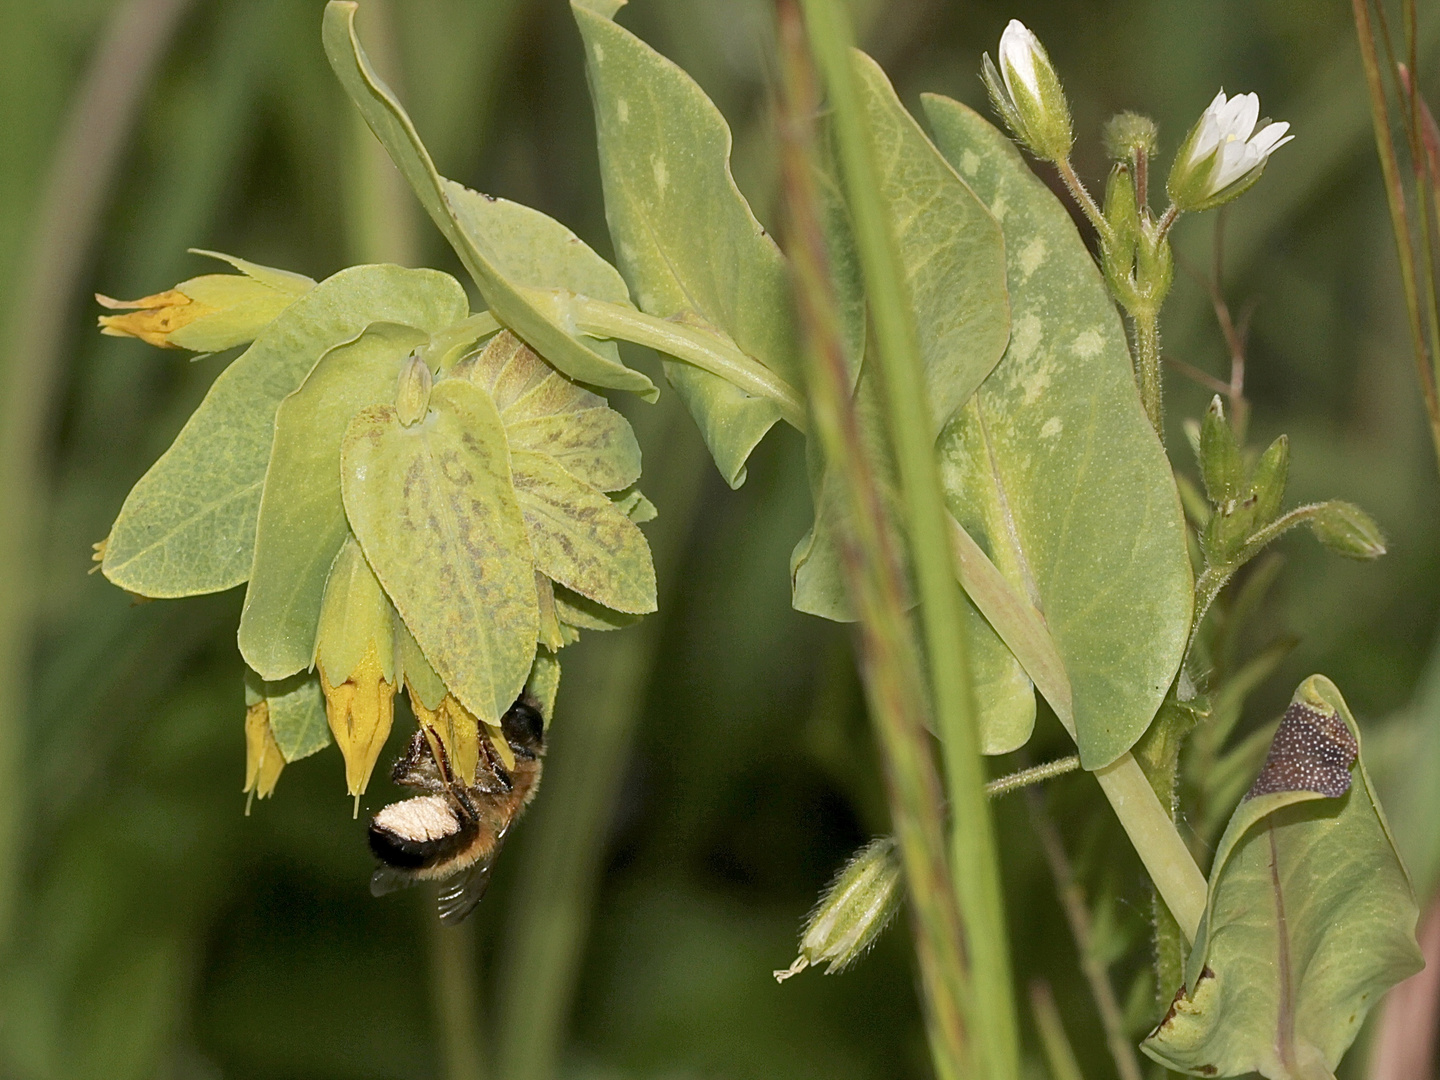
(452, 833)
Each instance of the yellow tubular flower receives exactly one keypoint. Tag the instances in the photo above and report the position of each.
(210, 312)
(263, 760)
(361, 710)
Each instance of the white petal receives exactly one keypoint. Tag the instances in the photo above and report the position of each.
(1267, 139)
(1017, 53)
(1236, 159)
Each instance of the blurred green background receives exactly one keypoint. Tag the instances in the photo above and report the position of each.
(710, 769)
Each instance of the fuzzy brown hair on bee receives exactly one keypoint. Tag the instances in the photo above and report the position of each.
(452, 833)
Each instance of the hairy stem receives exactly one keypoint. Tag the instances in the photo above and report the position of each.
(1147, 348)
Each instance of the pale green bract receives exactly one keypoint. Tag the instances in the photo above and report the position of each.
(356, 616)
(188, 526)
(297, 712)
(434, 509)
(1310, 919)
(580, 538)
(684, 236)
(1055, 471)
(302, 517)
(500, 246)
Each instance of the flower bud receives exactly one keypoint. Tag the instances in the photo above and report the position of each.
(857, 905)
(263, 760)
(1223, 154)
(355, 653)
(1027, 94)
(208, 313)
(1347, 530)
(1129, 134)
(1117, 252)
(1267, 482)
(1221, 466)
(412, 395)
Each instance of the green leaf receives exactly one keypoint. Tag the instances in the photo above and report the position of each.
(356, 616)
(302, 517)
(950, 246)
(544, 682)
(188, 527)
(297, 712)
(954, 259)
(434, 509)
(581, 539)
(1310, 915)
(419, 676)
(546, 413)
(1054, 469)
(582, 613)
(665, 165)
(513, 253)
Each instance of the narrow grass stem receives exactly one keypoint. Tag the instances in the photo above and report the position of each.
(974, 862)
(1399, 224)
(1077, 914)
(455, 995)
(1059, 1054)
(888, 657)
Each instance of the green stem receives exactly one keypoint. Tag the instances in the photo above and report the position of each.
(1059, 1055)
(974, 861)
(1086, 203)
(1400, 226)
(870, 561)
(1082, 929)
(707, 348)
(1036, 774)
(1146, 822)
(1153, 834)
(1147, 342)
(562, 841)
(455, 996)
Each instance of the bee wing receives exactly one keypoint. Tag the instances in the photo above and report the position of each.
(387, 879)
(460, 894)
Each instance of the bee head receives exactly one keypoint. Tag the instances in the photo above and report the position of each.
(524, 727)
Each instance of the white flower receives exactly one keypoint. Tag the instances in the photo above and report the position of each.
(1018, 47)
(1027, 93)
(1224, 154)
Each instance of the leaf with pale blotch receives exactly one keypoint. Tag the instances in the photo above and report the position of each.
(297, 712)
(1310, 916)
(546, 413)
(188, 526)
(580, 539)
(950, 247)
(512, 252)
(434, 509)
(550, 635)
(665, 166)
(302, 517)
(1055, 471)
(953, 255)
(355, 618)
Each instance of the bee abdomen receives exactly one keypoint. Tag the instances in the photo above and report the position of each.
(421, 832)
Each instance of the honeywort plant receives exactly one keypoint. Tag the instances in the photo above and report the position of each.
(423, 498)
